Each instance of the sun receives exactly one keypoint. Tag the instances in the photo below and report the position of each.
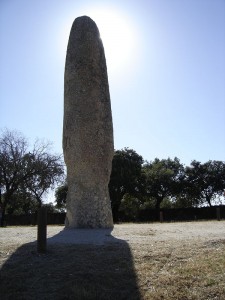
(118, 34)
(118, 37)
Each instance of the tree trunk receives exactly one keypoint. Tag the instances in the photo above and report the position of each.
(208, 199)
(157, 208)
(2, 217)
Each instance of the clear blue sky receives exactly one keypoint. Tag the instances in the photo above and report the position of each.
(166, 67)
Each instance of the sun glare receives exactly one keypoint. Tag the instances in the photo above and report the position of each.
(117, 32)
(117, 35)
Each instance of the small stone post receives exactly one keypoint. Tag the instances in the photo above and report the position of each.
(42, 230)
(218, 213)
(161, 216)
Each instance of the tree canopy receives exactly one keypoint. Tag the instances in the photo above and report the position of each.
(27, 173)
(205, 182)
(162, 183)
(60, 196)
(25, 170)
(126, 177)
(164, 178)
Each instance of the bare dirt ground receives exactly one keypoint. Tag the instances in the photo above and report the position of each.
(131, 233)
(135, 261)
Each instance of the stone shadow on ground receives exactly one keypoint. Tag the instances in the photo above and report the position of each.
(79, 264)
(84, 236)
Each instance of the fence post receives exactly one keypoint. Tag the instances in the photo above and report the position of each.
(161, 216)
(42, 230)
(218, 213)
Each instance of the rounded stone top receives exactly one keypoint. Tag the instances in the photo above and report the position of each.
(84, 25)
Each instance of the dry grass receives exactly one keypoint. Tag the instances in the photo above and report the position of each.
(182, 272)
(162, 270)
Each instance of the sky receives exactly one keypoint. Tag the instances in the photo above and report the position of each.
(166, 70)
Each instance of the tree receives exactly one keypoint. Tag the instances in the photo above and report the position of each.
(14, 165)
(50, 208)
(130, 207)
(22, 202)
(164, 179)
(60, 196)
(49, 171)
(126, 177)
(22, 170)
(205, 182)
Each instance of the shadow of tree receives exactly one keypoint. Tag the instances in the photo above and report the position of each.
(79, 264)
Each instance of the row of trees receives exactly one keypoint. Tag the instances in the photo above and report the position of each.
(136, 184)
(26, 174)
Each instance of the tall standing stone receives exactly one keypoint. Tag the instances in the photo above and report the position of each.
(87, 129)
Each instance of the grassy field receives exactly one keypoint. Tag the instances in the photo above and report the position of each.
(162, 270)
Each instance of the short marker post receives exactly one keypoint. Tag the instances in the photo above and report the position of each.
(218, 213)
(161, 216)
(42, 230)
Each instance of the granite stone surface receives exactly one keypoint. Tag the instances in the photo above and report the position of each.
(87, 128)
